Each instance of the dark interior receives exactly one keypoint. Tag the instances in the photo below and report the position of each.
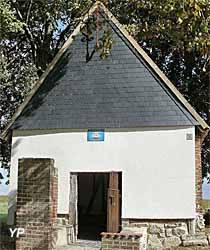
(92, 205)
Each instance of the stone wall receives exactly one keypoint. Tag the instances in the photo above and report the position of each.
(166, 234)
(120, 241)
(161, 234)
(36, 203)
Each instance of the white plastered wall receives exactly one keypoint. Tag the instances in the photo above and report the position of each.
(157, 164)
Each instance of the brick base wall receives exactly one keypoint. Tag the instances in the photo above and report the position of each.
(117, 241)
(36, 203)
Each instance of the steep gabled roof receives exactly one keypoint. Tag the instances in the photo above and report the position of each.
(125, 90)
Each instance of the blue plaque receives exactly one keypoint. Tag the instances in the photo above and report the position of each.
(95, 135)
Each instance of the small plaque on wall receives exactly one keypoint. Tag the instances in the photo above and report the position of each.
(189, 136)
(95, 135)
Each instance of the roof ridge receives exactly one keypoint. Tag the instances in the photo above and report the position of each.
(135, 45)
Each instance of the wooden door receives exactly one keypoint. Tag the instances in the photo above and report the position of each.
(113, 203)
(73, 213)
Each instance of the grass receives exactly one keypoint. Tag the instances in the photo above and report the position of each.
(3, 208)
(206, 204)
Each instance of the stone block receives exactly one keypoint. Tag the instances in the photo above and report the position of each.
(199, 223)
(188, 243)
(208, 237)
(143, 239)
(181, 224)
(155, 228)
(195, 240)
(139, 224)
(162, 235)
(168, 232)
(154, 243)
(125, 223)
(179, 231)
(171, 242)
(61, 236)
(194, 237)
(172, 225)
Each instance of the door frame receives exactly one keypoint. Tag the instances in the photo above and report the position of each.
(114, 203)
(114, 190)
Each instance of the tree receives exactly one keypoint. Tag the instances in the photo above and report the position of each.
(8, 25)
(174, 33)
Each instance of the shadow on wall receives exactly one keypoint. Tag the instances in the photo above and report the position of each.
(51, 81)
(15, 146)
(12, 206)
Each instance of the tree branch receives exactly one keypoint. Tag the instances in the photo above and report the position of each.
(18, 11)
(29, 11)
(27, 32)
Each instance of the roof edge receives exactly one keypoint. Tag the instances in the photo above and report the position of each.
(136, 46)
(155, 68)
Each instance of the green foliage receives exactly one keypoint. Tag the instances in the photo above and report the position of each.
(206, 204)
(174, 33)
(96, 25)
(3, 209)
(106, 43)
(182, 24)
(8, 22)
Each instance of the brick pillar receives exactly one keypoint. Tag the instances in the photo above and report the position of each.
(198, 173)
(199, 138)
(55, 195)
(36, 203)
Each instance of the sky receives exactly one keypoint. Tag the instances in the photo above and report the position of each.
(206, 190)
(4, 188)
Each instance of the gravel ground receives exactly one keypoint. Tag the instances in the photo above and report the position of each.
(88, 245)
(82, 245)
(73, 247)
(193, 248)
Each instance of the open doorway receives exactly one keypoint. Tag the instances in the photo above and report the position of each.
(92, 204)
(95, 203)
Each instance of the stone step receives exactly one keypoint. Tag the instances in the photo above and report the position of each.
(195, 240)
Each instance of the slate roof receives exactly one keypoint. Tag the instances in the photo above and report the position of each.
(120, 91)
